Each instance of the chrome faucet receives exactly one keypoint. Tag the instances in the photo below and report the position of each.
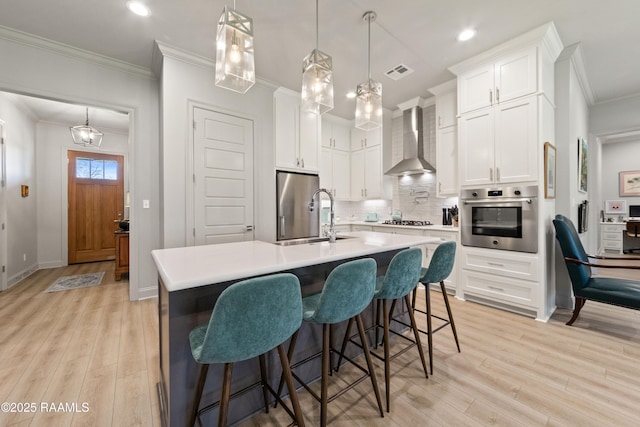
(331, 234)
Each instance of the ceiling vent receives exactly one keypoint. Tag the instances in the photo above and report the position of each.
(398, 72)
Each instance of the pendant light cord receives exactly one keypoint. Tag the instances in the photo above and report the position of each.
(317, 25)
(369, 48)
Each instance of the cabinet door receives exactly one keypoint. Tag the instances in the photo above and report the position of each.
(447, 160)
(357, 139)
(357, 175)
(326, 135)
(516, 131)
(341, 137)
(341, 175)
(446, 110)
(308, 146)
(326, 168)
(373, 172)
(475, 89)
(515, 75)
(286, 130)
(373, 138)
(476, 154)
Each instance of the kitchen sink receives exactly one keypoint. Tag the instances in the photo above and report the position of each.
(309, 240)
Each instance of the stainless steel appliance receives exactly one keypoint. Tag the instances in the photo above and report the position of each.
(295, 219)
(500, 218)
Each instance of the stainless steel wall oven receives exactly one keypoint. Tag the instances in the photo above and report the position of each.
(500, 218)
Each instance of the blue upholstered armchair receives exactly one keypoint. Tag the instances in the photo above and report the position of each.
(621, 292)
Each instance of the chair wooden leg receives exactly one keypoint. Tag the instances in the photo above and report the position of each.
(265, 381)
(451, 322)
(292, 345)
(226, 392)
(416, 335)
(293, 395)
(196, 399)
(427, 293)
(347, 335)
(367, 355)
(324, 397)
(387, 364)
(576, 310)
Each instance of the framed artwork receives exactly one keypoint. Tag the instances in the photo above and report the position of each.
(630, 183)
(549, 171)
(583, 154)
(615, 206)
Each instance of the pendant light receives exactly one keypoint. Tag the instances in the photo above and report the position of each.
(235, 65)
(86, 135)
(369, 93)
(317, 80)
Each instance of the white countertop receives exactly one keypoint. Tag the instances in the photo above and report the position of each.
(193, 266)
(435, 227)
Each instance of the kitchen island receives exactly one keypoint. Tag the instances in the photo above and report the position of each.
(190, 280)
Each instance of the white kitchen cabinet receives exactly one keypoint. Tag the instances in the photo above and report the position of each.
(499, 144)
(296, 134)
(508, 78)
(362, 139)
(446, 139)
(428, 249)
(366, 173)
(335, 134)
(335, 173)
(611, 236)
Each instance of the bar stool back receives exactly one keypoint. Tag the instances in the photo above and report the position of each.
(249, 319)
(440, 268)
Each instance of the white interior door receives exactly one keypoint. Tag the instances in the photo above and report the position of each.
(223, 178)
(3, 212)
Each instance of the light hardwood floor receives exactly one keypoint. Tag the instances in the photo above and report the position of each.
(93, 345)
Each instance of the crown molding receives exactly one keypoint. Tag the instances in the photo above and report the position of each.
(62, 49)
(574, 54)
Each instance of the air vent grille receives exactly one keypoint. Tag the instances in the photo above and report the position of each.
(398, 72)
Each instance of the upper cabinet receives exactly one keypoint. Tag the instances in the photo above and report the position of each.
(362, 139)
(366, 164)
(296, 134)
(335, 133)
(335, 168)
(511, 77)
(446, 139)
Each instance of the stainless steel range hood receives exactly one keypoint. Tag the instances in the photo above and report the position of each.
(413, 161)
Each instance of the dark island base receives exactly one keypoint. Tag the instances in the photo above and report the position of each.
(181, 311)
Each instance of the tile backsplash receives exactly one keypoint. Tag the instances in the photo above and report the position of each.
(413, 195)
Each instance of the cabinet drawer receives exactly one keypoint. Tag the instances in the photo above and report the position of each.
(501, 289)
(612, 244)
(360, 227)
(610, 228)
(502, 263)
(612, 236)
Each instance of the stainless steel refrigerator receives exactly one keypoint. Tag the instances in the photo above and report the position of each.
(294, 192)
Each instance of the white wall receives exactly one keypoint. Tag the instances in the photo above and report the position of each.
(572, 122)
(188, 81)
(52, 144)
(618, 157)
(21, 223)
(37, 67)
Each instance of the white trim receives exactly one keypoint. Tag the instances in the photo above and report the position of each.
(3, 209)
(72, 52)
(574, 54)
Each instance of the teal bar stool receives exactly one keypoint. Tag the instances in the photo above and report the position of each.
(440, 268)
(400, 279)
(347, 291)
(249, 319)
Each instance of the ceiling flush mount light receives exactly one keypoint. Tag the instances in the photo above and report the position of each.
(86, 135)
(317, 79)
(235, 65)
(467, 34)
(369, 93)
(138, 8)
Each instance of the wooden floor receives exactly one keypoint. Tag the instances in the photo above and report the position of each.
(92, 345)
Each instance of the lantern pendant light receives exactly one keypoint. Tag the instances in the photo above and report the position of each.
(86, 135)
(317, 80)
(235, 65)
(369, 93)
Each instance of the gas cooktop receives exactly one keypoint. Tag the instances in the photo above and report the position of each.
(410, 222)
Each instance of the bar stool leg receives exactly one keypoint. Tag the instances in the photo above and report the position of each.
(416, 335)
(344, 342)
(263, 376)
(427, 292)
(196, 399)
(293, 395)
(453, 325)
(292, 345)
(226, 392)
(367, 355)
(387, 364)
(325, 375)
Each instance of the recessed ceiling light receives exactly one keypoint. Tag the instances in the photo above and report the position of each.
(138, 8)
(351, 95)
(466, 35)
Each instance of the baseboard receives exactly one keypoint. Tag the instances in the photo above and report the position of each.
(148, 292)
(17, 278)
(51, 264)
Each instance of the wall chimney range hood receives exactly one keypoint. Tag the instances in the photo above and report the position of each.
(413, 161)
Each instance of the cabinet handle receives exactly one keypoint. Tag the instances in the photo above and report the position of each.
(365, 192)
(490, 174)
(282, 226)
(498, 174)
(302, 161)
(495, 264)
(297, 161)
(365, 142)
(490, 96)
(439, 121)
(495, 288)
(440, 187)
(497, 94)
(362, 192)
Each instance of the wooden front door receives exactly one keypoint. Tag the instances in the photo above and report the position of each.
(96, 199)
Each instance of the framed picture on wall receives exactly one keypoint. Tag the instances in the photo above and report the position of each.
(583, 154)
(615, 207)
(629, 183)
(549, 171)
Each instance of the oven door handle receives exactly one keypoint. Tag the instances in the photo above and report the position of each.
(496, 202)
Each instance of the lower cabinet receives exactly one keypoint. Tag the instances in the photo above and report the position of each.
(507, 280)
(611, 236)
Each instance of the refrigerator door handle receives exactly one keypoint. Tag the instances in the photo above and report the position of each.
(282, 226)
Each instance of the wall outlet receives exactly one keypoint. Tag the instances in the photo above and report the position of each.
(145, 204)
